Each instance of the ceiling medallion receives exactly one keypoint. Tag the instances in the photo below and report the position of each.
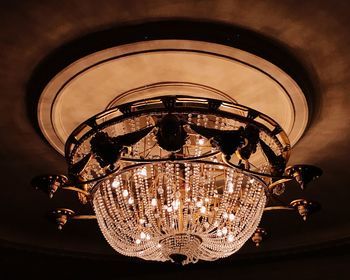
(179, 178)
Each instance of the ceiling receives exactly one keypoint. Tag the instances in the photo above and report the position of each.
(36, 34)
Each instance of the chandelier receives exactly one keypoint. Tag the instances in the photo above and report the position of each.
(179, 178)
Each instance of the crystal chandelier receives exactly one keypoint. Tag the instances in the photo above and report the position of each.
(179, 178)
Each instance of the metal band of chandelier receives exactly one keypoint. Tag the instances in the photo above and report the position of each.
(179, 178)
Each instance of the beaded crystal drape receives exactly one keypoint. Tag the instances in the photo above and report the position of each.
(198, 210)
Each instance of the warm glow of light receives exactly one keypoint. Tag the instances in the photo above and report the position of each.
(116, 183)
(201, 141)
(125, 193)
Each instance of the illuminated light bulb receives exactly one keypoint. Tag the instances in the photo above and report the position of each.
(230, 187)
(142, 235)
(219, 233)
(170, 209)
(206, 199)
(142, 221)
(116, 184)
(143, 172)
(251, 181)
(201, 141)
(138, 241)
(225, 215)
(125, 193)
(231, 217)
(221, 167)
(148, 237)
(175, 204)
(224, 230)
(230, 238)
(154, 202)
(199, 203)
(159, 245)
(160, 190)
(131, 200)
(203, 209)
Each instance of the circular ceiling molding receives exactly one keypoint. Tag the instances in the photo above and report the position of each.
(168, 67)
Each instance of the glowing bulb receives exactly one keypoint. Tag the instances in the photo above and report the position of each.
(176, 204)
(203, 209)
(143, 172)
(125, 193)
(251, 181)
(131, 200)
(160, 190)
(230, 238)
(142, 221)
(148, 237)
(201, 141)
(154, 202)
(224, 230)
(199, 203)
(138, 241)
(116, 184)
(225, 215)
(142, 235)
(219, 233)
(231, 217)
(230, 187)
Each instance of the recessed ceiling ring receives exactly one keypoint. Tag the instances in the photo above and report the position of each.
(127, 72)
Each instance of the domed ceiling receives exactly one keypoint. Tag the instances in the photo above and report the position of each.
(293, 63)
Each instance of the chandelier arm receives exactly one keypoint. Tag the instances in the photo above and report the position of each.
(84, 217)
(279, 207)
(280, 181)
(75, 189)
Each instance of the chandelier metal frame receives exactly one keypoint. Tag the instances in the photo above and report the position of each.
(180, 132)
